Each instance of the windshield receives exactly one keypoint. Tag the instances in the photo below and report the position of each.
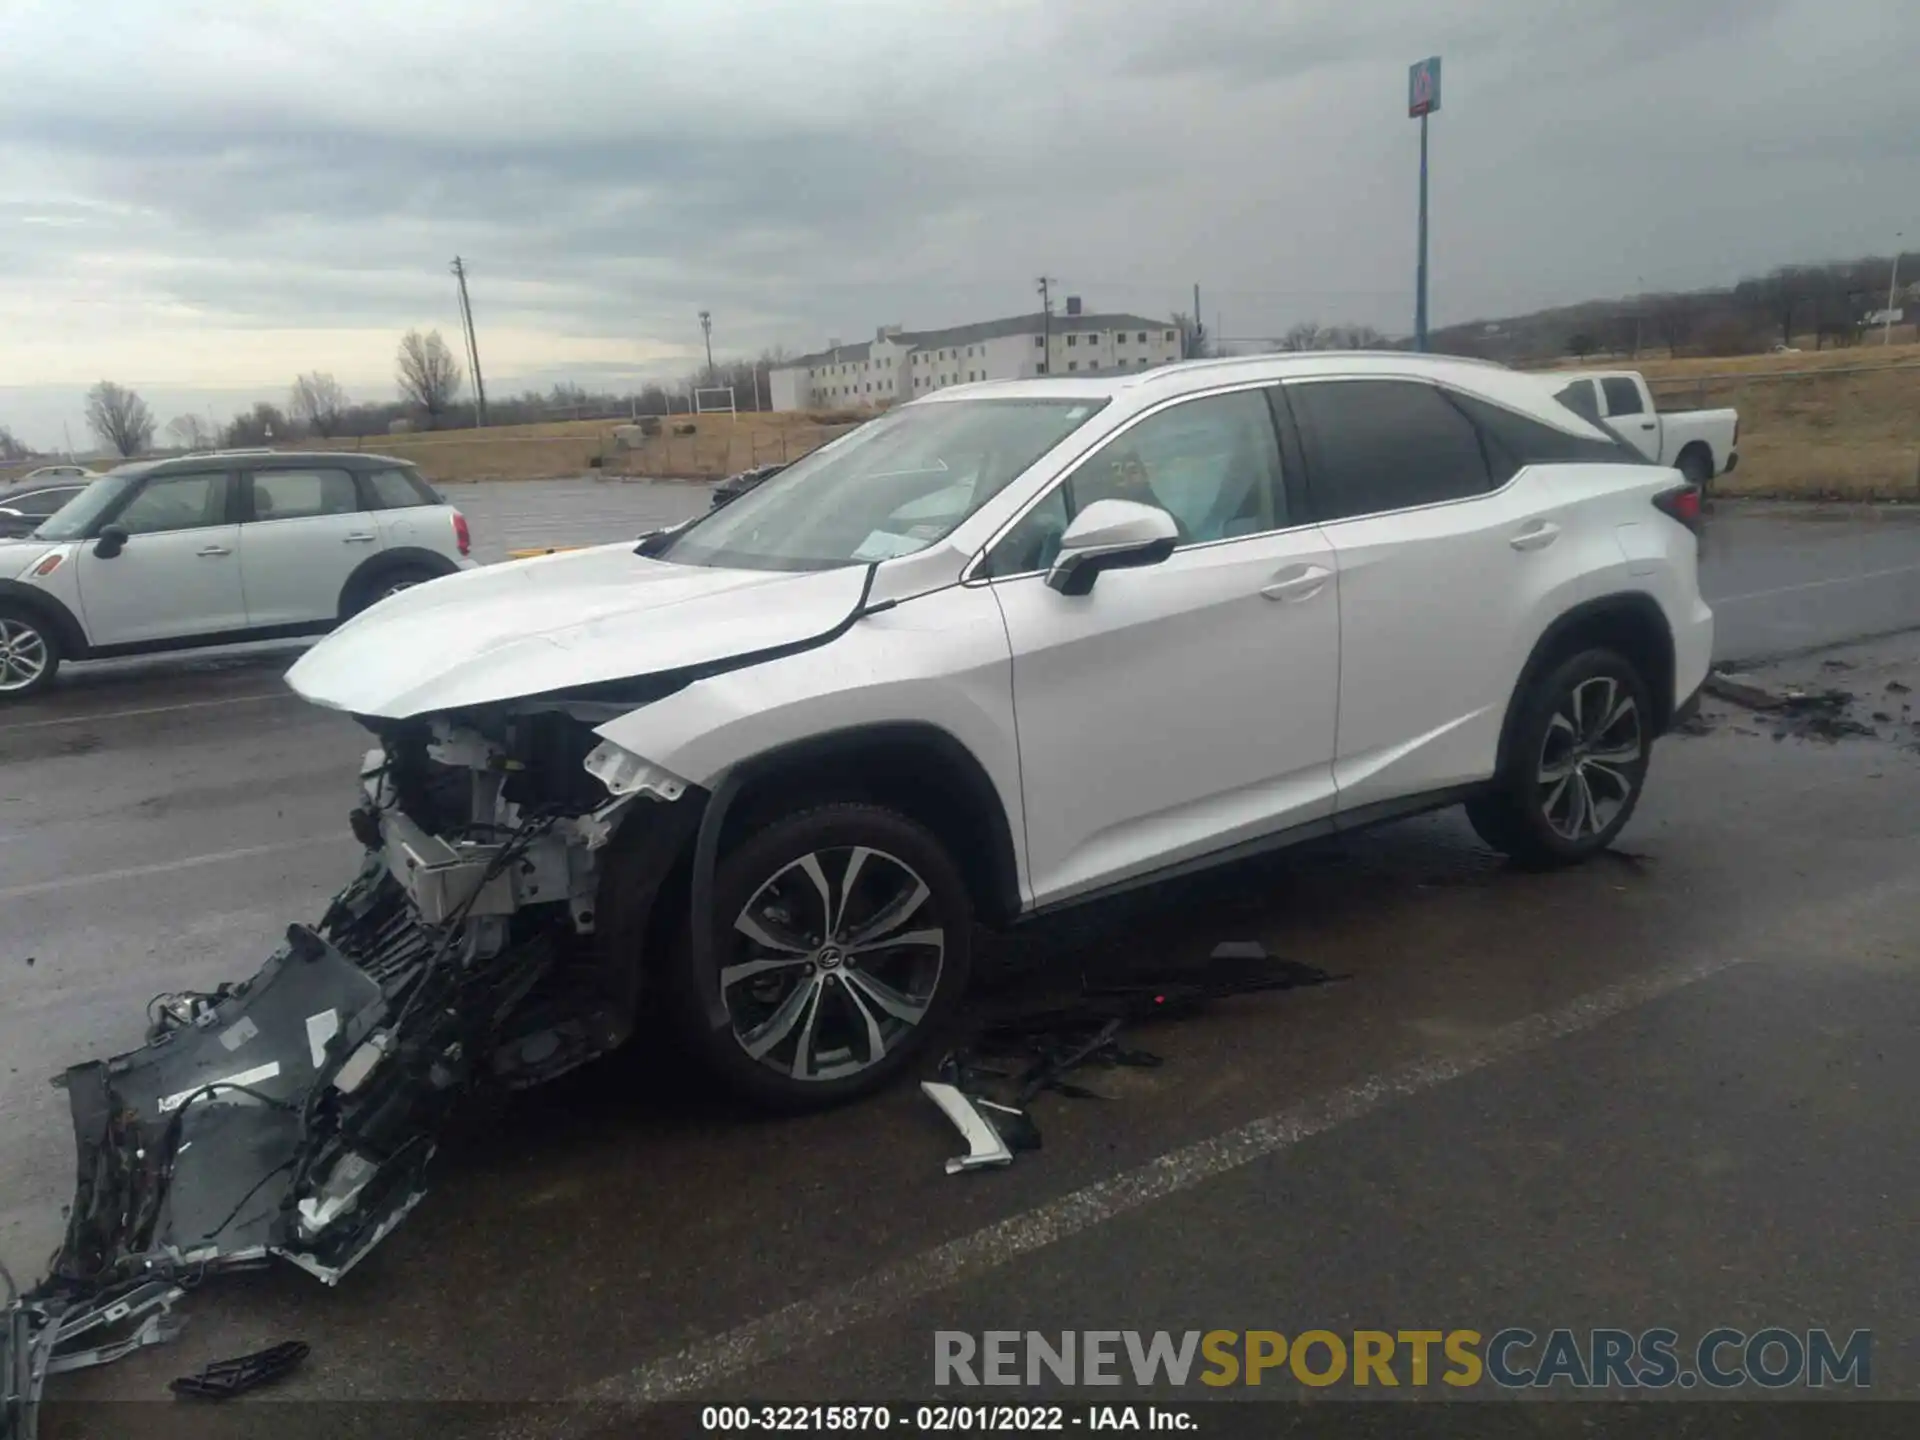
(72, 520)
(895, 485)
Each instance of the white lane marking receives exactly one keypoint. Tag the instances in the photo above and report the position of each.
(166, 867)
(890, 1290)
(106, 715)
(1815, 585)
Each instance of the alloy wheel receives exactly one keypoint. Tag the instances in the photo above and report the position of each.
(1590, 758)
(23, 655)
(833, 963)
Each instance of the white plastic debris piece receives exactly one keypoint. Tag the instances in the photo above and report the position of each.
(360, 1064)
(984, 1145)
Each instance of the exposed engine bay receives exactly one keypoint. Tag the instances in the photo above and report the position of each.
(294, 1114)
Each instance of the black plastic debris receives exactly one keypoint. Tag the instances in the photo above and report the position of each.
(224, 1379)
(987, 1086)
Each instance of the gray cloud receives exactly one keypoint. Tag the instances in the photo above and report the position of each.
(819, 169)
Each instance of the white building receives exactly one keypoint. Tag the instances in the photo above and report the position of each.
(900, 365)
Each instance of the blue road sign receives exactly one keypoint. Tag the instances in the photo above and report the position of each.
(1423, 87)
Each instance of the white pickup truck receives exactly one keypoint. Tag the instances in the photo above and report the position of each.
(1700, 444)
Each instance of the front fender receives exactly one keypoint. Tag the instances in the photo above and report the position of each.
(941, 660)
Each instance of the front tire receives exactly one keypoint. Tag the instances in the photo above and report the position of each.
(29, 654)
(841, 946)
(1576, 765)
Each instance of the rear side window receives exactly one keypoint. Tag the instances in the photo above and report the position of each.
(1514, 440)
(1623, 396)
(303, 494)
(1379, 445)
(398, 490)
(1578, 397)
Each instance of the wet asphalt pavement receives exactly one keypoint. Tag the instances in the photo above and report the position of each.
(1670, 1088)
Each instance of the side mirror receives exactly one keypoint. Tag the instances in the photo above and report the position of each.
(1111, 535)
(111, 542)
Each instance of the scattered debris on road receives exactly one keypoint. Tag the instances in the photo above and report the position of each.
(1031, 1051)
(224, 1379)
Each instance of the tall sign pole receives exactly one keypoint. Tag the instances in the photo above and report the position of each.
(1423, 98)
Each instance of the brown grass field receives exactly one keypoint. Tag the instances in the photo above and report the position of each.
(1828, 424)
(1842, 424)
(1832, 424)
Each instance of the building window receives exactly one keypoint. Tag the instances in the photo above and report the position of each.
(1073, 364)
(1041, 368)
(1072, 340)
(1119, 337)
(1168, 337)
(1039, 342)
(1143, 337)
(1093, 364)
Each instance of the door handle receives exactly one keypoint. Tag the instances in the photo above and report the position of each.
(357, 537)
(1303, 582)
(1646, 424)
(211, 552)
(1537, 537)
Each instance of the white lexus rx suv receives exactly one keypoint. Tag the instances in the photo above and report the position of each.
(1008, 648)
(214, 549)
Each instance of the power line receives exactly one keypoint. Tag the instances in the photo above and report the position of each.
(473, 344)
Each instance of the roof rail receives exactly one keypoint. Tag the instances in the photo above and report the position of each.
(1328, 354)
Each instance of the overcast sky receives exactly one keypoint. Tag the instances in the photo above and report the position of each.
(203, 197)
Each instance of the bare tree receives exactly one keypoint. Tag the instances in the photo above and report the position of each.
(262, 425)
(1195, 342)
(318, 402)
(1312, 335)
(430, 378)
(10, 448)
(120, 418)
(190, 432)
(1582, 345)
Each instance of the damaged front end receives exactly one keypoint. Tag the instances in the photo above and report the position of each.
(294, 1115)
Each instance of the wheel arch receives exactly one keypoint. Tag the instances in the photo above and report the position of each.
(1631, 622)
(369, 572)
(67, 630)
(1700, 448)
(914, 767)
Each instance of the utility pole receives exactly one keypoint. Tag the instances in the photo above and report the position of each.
(706, 329)
(67, 430)
(1198, 328)
(1423, 98)
(1046, 324)
(1893, 287)
(1639, 309)
(473, 345)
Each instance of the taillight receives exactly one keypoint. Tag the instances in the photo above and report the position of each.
(1682, 503)
(461, 534)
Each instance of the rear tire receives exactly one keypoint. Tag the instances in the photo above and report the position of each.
(371, 591)
(1576, 763)
(1696, 468)
(841, 948)
(29, 653)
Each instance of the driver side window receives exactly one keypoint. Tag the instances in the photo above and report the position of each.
(1212, 463)
(176, 502)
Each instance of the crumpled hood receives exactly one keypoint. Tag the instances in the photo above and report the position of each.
(501, 632)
